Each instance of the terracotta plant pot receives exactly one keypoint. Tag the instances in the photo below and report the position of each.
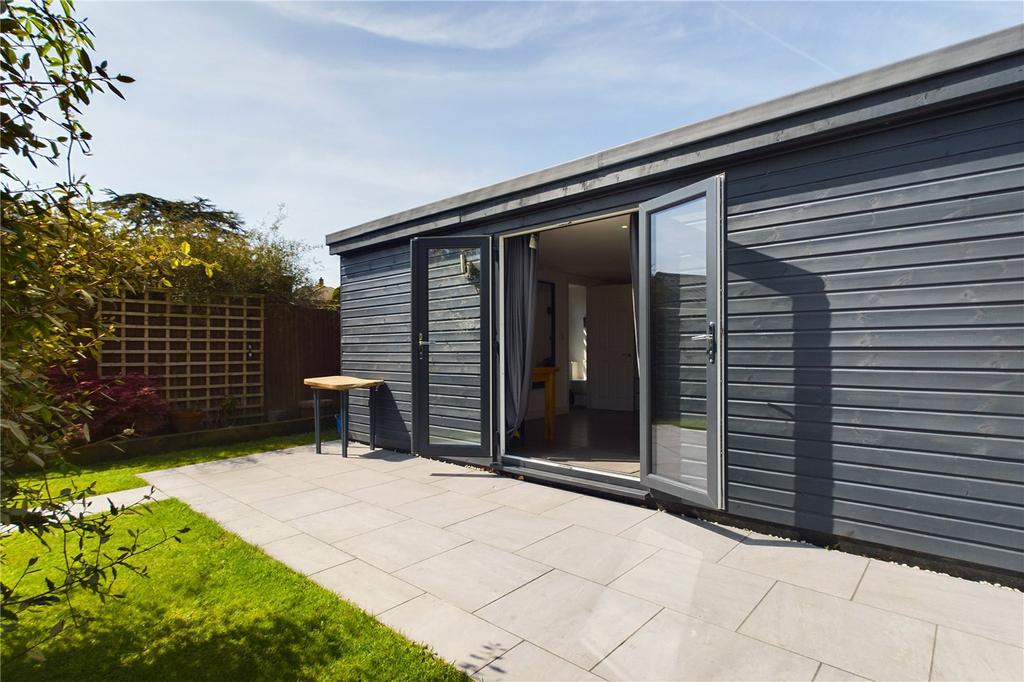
(186, 420)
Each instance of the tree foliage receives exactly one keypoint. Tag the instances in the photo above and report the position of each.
(244, 260)
(58, 256)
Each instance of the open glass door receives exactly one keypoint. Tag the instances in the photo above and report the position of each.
(680, 295)
(451, 348)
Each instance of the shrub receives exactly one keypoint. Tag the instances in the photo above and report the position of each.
(126, 405)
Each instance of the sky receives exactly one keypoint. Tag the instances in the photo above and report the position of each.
(346, 112)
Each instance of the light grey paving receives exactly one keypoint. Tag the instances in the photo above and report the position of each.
(260, 491)
(711, 592)
(681, 535)
(338, 524)
(529, 663)
(303, 503)
(588, 553)
(430, 471)
(861, 639)
(258, 528)
(472, 575)
(197, 493)
(395, 493)
(508, 528)
(828, 673)
(305, 554)
(457, 636)
(477, 483)
(401, 544)
(960, 657)
(798, 563)
(507, 577)
(985, 610)
(673, 646)
(531, 497)
(574, 618)
(221, 510)
(445, 509)
(603, 515)
(366, 586)
(356, 479)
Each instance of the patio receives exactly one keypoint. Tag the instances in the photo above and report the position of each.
(518, 581)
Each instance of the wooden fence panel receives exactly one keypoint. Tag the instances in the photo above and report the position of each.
(204, 356)
(300, 342)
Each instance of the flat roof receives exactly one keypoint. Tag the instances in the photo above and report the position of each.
(976, 51)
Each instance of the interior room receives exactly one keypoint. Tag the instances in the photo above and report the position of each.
(583, 403)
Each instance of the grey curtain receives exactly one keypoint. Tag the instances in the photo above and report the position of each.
(520, 299)
(634, 267)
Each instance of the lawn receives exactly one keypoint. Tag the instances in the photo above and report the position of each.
(213, 607)
(124, 474)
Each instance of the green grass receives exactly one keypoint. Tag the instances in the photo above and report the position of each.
(123, 474)
(213, 608)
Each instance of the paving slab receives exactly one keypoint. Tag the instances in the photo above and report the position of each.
(467, 641)
(259, 491)
(828, 673)
(223, 509)
(798, 563)
(477, 483)
(366, 586)
(588, 553)
(508, 528)
(862, 639)
(338, 524)
(527, 662)
(197, 493)
(402, 544)
(430, 471)
(445, 509)
(573, 618)
(305, 554)
(986, 610)
(598, 514)
(531, 497)
(681, 535)
(674, 646)
(169, 480)
(304, 503)
(711, 592)
(961, 657)
(472, 575)
(395, 493)
(356, 479)
(258, 528)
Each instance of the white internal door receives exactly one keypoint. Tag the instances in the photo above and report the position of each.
(611, 367)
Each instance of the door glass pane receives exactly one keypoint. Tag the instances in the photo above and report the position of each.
(678, 363)
(453, 331)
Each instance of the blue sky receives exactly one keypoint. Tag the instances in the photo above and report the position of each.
(345, 112)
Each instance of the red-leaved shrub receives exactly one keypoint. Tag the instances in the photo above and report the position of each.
(131, 402)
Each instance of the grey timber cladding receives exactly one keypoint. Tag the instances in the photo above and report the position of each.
(875, 324)
(376, 318)
(875, 337)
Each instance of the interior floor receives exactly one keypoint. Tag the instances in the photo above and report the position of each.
(605, 440)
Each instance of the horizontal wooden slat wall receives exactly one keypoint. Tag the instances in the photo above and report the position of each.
(376, 319)
(203, 355)
(876, 337)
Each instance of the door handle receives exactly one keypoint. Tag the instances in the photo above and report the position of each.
(421, 342)
(710, 339)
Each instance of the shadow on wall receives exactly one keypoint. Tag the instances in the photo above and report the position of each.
(810, 362)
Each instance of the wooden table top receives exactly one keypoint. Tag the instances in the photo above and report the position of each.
(341, 383)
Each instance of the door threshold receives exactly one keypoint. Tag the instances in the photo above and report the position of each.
(578, 483)
(617, 484)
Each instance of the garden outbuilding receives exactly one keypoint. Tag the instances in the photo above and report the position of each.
(806, 315)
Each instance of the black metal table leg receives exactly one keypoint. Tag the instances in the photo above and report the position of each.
(373, 444)
(316, 418)
(344, 423)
